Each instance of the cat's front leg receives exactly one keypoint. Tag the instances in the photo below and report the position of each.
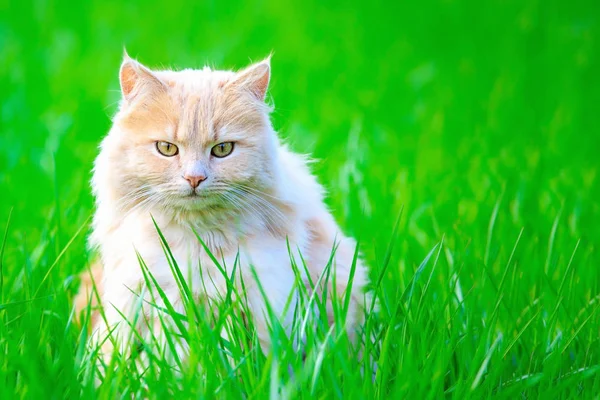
(134, 322)
(114, 329)
(271, 290)
(277, 308)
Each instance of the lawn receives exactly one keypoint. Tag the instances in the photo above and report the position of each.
(459, 143)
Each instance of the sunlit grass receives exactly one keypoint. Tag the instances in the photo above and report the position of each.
(221, 345)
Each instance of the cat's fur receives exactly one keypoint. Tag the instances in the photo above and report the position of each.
(251, 204)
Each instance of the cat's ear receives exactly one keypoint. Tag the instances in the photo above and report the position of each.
(254, 79)
(136, 78)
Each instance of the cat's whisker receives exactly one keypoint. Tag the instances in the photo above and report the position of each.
(262, 201)
(132, 198)
(255, 190)
(134, 194)
(137, 190)
(146, 204)
(234, 202)
(137, 207)
(273, 217)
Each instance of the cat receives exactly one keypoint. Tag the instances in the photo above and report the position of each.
(194, 152)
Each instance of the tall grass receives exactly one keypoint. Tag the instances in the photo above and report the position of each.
(214, 340)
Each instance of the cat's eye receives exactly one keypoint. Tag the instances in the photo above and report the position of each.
(167, 149)
(222, 149)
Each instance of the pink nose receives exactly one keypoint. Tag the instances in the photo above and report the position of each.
(195, 180)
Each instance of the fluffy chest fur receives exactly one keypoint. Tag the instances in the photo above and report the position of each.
(188, 244)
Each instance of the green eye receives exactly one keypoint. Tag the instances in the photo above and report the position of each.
(222, 149)
(167, 149)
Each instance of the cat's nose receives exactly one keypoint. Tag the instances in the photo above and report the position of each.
(195, 180)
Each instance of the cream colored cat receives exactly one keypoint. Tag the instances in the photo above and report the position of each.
(195, 150)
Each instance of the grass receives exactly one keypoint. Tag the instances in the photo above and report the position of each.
(476, 123)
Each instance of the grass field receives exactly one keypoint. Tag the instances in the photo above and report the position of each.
(477, 123)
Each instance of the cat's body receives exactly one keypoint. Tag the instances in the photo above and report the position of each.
(168, 160)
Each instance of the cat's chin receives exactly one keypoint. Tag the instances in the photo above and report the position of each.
(194, 202)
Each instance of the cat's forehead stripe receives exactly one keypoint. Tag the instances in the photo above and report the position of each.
(203, 109)
(196, 119)
(197, 116)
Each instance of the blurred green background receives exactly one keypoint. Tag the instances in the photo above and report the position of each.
(478, 118)
(443, 104)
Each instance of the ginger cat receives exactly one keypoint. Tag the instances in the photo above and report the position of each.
(194, 150)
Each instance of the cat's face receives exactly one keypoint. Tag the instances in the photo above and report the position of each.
(193, 139)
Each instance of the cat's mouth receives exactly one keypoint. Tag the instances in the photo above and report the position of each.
(195, 197)
(194, 194)
(191, 201)
(201, 200)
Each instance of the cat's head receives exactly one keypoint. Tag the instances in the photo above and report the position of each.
(189, 139)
